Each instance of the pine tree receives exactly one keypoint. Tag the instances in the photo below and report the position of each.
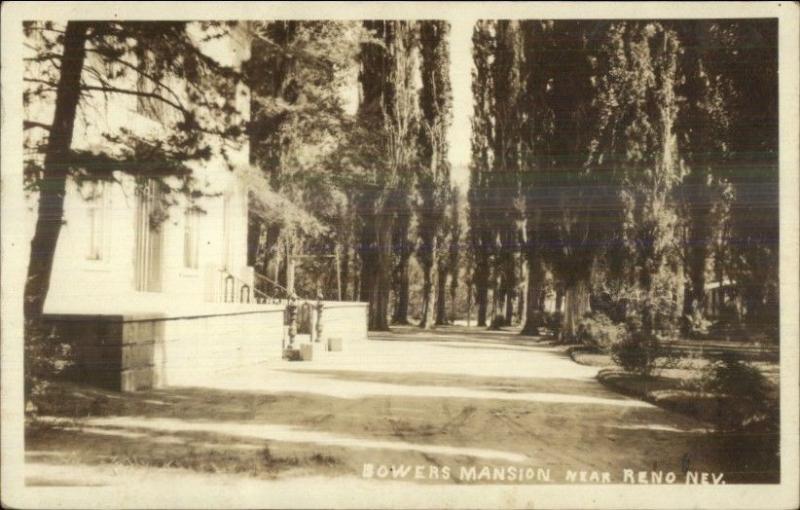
(296, 72)
(73, 67)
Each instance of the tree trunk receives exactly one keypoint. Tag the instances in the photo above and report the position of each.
(254, 228)
(367, 249)
(534, 314)
(453, 294)
(381, 281)
(577, 304)
(481, 279)
(509, 288)
(402, 286)
(441, 295)
(697, 252)
(559, 298)
(511, 296)
(497, 304)
(695, 296)
(344, 268)
(56, 167)
(402, 225)
(428, 289)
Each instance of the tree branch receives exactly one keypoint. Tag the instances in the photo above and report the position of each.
(130, 92)
(29, 124)
(138, 70)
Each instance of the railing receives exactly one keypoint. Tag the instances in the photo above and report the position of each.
(279, 292)
(298, 316)
(235, 290)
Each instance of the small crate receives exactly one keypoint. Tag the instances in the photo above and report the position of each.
(292, 355)
(307, 352)
(335, 344)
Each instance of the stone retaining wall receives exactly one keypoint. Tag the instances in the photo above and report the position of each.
(130, 352)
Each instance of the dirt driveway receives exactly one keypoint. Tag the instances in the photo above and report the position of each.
(450, 407)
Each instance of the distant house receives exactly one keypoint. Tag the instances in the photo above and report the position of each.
(720, 295)
(156, 292)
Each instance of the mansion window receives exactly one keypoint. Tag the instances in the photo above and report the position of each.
(98, 210)
(148, 106)
(191, 239)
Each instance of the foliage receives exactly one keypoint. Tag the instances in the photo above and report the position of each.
(388, 114)
(744, 393)
(636, 353)
(553, 322)
(498, 321)
(596, 330)
(697, 326)
(298, 133)
(199, 123)
(433, 175)
(73, 69)
(481, 231)
(637, 107)
(642, 352)
(46, 356)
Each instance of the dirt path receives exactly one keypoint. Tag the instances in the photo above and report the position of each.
(454, 401)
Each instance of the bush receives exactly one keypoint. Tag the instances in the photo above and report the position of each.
(743, 392)
(635, 353)
(641, 353)
(497, 322)
(553, 322)
(611, 302)
(46, 357)
(598, 331)
(697, 326)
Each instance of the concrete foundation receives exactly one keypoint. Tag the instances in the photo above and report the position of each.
(130, 352)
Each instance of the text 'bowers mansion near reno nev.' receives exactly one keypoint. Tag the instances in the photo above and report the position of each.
(517, 474)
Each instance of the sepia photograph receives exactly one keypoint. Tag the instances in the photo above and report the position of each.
(370, 256)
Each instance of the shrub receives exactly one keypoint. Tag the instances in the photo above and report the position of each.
(635, 353)
(46, 356)
(697, 326)
(553, 322)
(612, 302)
(497, 322)
(598, 331)
(743, 393)
(641, 353)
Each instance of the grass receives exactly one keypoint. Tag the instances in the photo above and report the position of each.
(681, 388)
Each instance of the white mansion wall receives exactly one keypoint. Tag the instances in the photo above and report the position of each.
(128, 339)
(80, 285)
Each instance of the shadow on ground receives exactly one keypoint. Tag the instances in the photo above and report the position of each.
(296, 432)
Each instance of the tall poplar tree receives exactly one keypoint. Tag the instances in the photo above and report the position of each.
(388, 111)
(504, 188)
(435, 101)
(637, 109)
(481, 229)
(703, 131)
